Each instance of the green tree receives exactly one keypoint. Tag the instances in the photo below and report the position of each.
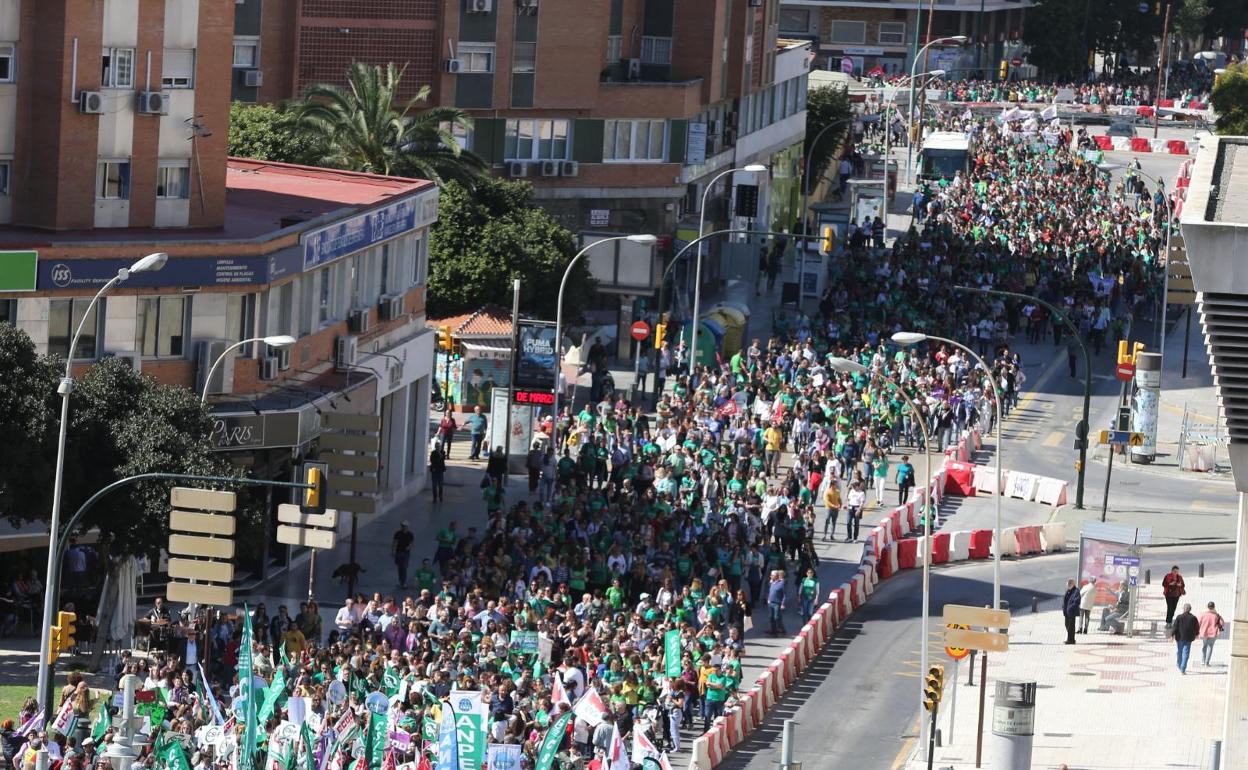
(825, 106)
(367, 129)
(1230, 101)
(1054, 31)
(1189, 19)
(491, 234)
(259, 131)
(28, 419)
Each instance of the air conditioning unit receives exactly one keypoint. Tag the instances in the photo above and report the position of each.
(550, 168)
(478, 6)
(207, 352)
(91, 103)
(517, 169)
(253, 78)
(569, 168)
(153, 103)
(527, 6)
(633, 67)
(136, 360)
(453, 66)
(357, 321)
(269, 367)
(344, 352)
(281, 354)
(390, 308)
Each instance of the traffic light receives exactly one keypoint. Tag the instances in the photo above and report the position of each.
(933, 686)
(1136, 349)
(444, 338)
(825, 243)
(660, 331)
(65, 621)
(54, 646)
(1004, 71)
(314, 498)
(1122, 352)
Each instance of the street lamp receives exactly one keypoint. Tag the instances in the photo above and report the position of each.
(147, 264)
(753, 168)
(1108, 169)
(910, 107)
(645, 240)
(847, 366)
(277, 341)
(914, 338)
(888, 134)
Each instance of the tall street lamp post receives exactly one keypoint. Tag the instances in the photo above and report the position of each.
(278, 341)
(645, 240)
(147, 264)
(913, 338)
(914, 66)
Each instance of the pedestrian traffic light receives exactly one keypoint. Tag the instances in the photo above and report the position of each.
(1004, 71)
(660, 331)
(444, 338)
(54, 646)
(933, 686)
(1136, 349)
(825, 243)
(65, 622)
(314, 498)
(1122, 352)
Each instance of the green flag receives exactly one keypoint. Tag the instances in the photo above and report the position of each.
(309, 746)
(175, 757)
(248, 749)
(102, 722)
(552, 741)
(375, 740)
(277, 688)
(671, 653)
(390, 681)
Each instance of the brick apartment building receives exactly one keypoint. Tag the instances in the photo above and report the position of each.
(619, 112)
(881, 33)
(113, 126)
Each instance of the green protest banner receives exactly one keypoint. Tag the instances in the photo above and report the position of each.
(552, 740)
(470, 728)
(671, 653)
(248, 749)
(277, 688)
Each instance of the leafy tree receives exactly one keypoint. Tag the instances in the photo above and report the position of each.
(489, 235)
(366, 129)
(1226, 18)
(28, 418)
(1230, 100)
(825, 106)
(259, 131)
(1054, 31)
(1189, 19)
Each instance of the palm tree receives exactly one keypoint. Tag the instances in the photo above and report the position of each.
(364, 129)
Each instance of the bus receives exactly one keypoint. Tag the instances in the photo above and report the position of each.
(944, 153)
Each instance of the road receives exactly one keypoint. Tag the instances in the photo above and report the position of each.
(856, 705)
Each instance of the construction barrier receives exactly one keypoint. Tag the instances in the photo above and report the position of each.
(766, 685)
(788, 667)
(1140, 144)
(1007, 545)
(981, 544)
(700, 758)
(717, 742)
(734, 719)
(912, 516)
(1050, 491)
(894, 522)
(940, 547)
(1021, 485)
(959, 478)
(959, 546)
(1027, 540)
(977, 442)
(985, 480)
(1053, 536)
(888, 562)
(907, 553)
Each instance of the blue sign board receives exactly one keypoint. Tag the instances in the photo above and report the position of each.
(349, 236)
(58, 274)
(1124, 565)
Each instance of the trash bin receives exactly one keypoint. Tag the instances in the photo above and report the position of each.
(1013, 725)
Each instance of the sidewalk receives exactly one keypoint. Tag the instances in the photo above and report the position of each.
(1082, 717)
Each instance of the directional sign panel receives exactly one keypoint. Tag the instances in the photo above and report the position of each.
(289, 513)
(982, 617)
(976, 640)
(201, 546)
(314, 530)
(200, 593)
(350, 445)
(313, 538)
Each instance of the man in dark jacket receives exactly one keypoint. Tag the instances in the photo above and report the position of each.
(1185, 630)
(1070, 609)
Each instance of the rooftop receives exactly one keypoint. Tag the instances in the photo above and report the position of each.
(262, 198)
(1228, 200)
(489, 321)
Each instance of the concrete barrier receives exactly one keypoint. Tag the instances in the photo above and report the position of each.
(1007, 544)
(1053, 536)
(1027, 540)
(700, 755)
(959, 546)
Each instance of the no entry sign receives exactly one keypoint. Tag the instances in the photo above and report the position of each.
(1125, 371)
(640, 330)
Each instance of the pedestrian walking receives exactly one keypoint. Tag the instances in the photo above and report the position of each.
(855, 500)
(808, 591)
(879, 467)
(446, 431)
(477, 423)
(1185, 629)
(437, 472)
(401, 550)
(905, 479)
(1070, 609)
(1172, 588)
(776, 602)
(1211, 626)
(1087, 600)
(496, 466)
(533, 463)
(832, 501)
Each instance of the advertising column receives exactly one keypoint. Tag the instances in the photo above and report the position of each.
(1144, 405)
(533, 379)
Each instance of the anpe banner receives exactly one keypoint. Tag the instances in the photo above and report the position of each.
(470, 733)
(503, 756)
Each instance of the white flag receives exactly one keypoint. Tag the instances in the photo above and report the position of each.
(643, 747)
(617, 755)
(590, 707)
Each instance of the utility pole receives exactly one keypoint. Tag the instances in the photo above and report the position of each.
(1161, 67)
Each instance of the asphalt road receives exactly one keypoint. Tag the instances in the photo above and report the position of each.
(856, 706)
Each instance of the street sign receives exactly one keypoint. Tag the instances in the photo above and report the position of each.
(200, 593)
(1130, 438)
(983, 617)
(640, 330)
(315, 530)
(313, 538)
(1119, 566)
(957, 653)
(977, 640)
(1125, 371)
(202, 526)
(289, 513)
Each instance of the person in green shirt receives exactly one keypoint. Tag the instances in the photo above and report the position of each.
(425, 577)
(447, 539)
(879, 473)
(717, 686)
(808, 591)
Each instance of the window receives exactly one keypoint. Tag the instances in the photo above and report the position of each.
(159, 326)
(173, 179)
(178, 68)
(849, 32)
(795, 20)
(6, 171)
(635, 140)
(614, 46)
(8, 62)
(64, 315)
(749, 48)
(8, 311)
(536, 139)
(113, 180)
(476, 57)
(656, 50)
(524, 57)
(892, 33)
(118, 68)
(238, 318)
(420, 265)
(246, 52)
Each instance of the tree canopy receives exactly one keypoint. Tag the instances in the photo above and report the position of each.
(259, 131)
(1230, 100)
(825, 106)
(489, 235)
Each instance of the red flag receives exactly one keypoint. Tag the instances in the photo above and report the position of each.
(558, 694)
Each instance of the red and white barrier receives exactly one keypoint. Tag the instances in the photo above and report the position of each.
(959, 546)
(1053, 536)
(1021, 485)
(1006, 545)
(1027, 540)
(700, 758)
(1050, 491)
(888, 562)
(717, 742)
(985, 480)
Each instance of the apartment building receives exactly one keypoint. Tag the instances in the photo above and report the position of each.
(113, 126)
(881, 33)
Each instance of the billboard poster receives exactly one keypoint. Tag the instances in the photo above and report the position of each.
(1099, 561)
(535, 358)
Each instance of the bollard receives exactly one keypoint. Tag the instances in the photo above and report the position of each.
(1035, 604)
(1148, 576)
(1013, 725)
(1215, 755)
(1200, 571)
(938, 742)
